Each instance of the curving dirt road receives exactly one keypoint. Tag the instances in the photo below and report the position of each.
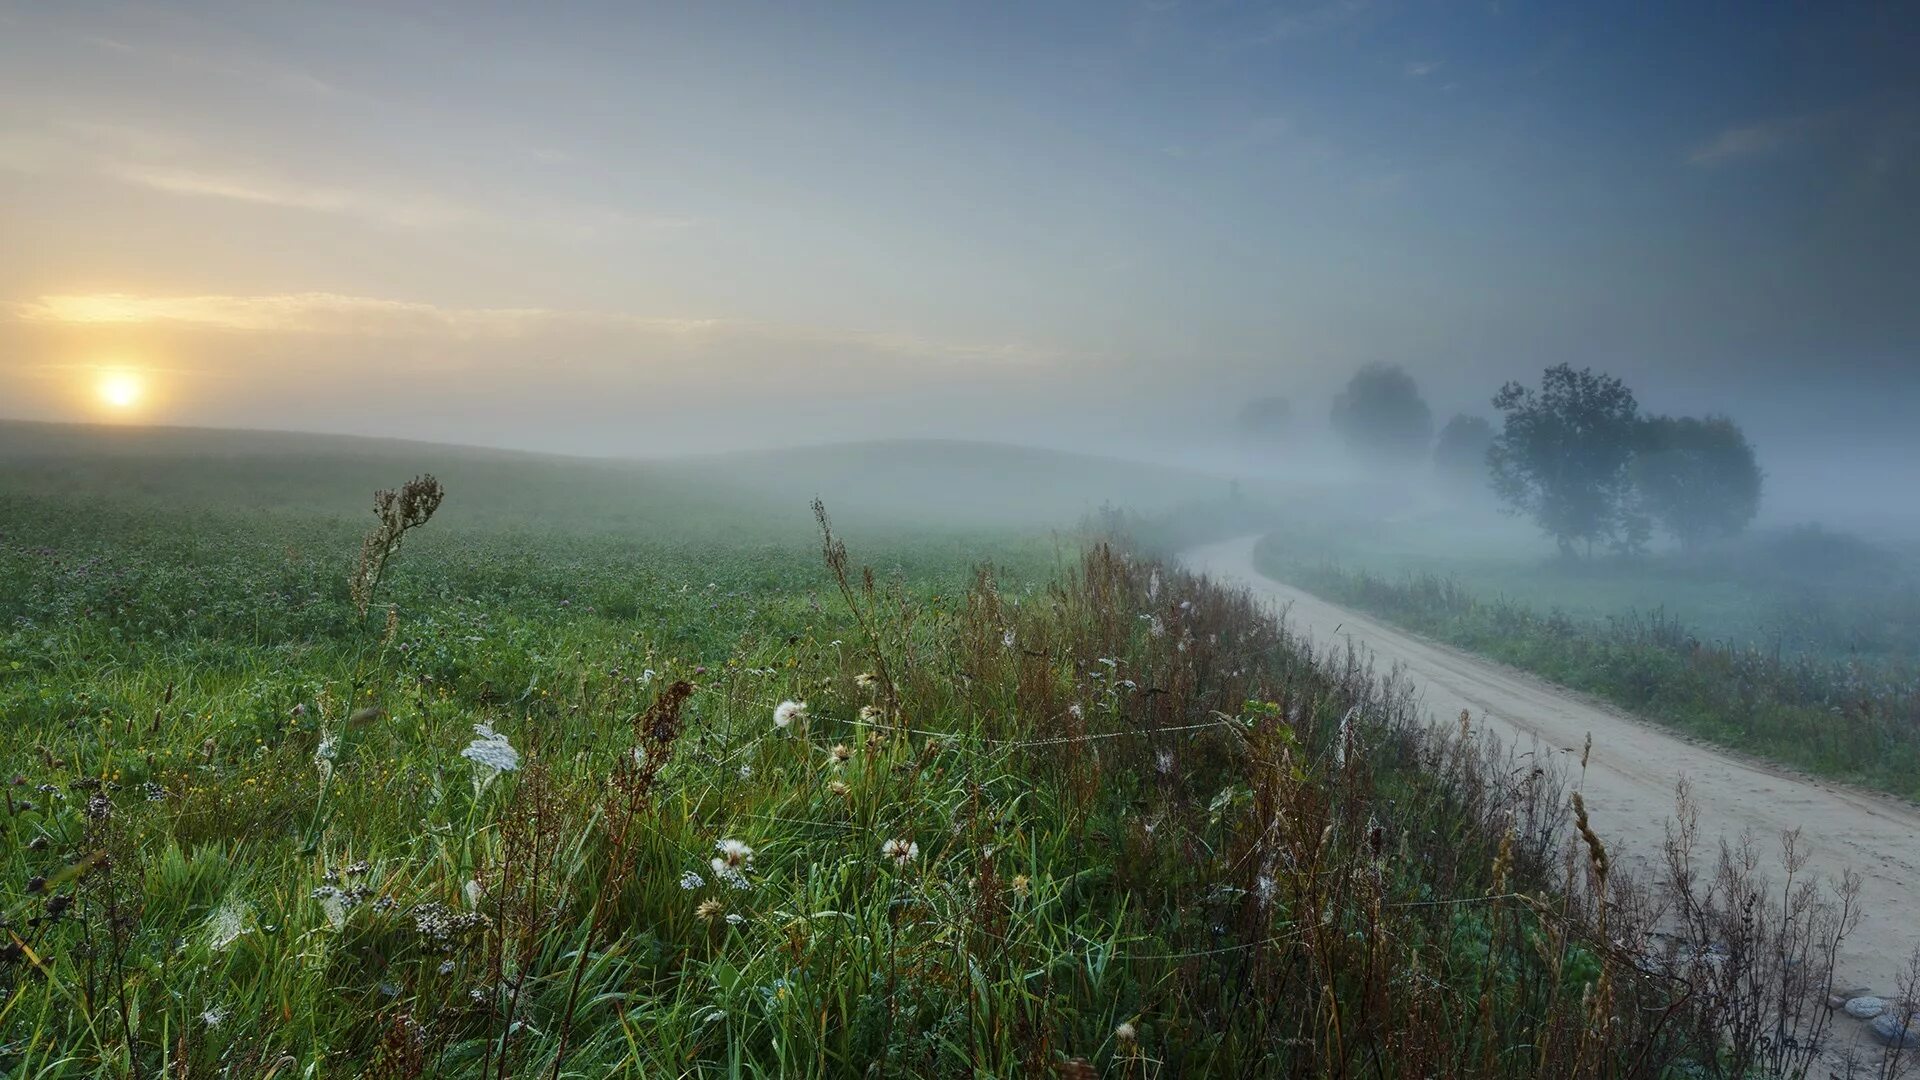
(1631, 776)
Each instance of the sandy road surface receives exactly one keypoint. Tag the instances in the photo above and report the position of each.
(1631, 776)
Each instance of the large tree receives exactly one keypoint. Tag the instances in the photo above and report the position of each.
(1460, 454)
(1563, 454)
(1382, 416)
(1696, 477)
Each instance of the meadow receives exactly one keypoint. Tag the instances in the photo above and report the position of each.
(1797, 644)
(620, 771)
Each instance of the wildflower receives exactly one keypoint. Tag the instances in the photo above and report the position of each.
(839, 787)
(865, 681)
(1074, 710)
(709, 910)
(691, 881)
(735, 853)
(787, 712)
(869, 714)
(1126, 1033)
(1022, 885)
(746, 772)
(491, 751)
(214, 1017)
(901, 852)
(1163, 761)
(840, 754)
(735, 919)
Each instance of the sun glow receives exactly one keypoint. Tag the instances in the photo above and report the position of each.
(120, 391)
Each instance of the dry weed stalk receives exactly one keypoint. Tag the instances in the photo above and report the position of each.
(399, 512)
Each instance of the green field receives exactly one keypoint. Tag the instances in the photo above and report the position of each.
(1801, 645)
(1049, 810)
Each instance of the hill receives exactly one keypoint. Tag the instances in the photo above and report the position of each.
(933, 482)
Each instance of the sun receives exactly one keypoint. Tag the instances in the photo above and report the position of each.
(120, 391)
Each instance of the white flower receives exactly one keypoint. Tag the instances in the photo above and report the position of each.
(324, 755)
(787, 712)
(865, 680)
(735, 852)
(1125, 1032)
(728, 876)
(491, 750)
(901, 852)
(691, 881)
(869, 714)
(1074, 710)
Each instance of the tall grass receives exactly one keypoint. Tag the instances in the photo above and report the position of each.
(1117, 821)
(1854, 720)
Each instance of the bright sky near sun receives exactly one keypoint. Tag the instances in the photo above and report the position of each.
(636, 228)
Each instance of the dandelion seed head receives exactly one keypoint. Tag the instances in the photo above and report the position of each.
(1126, 1032)
(787, 712)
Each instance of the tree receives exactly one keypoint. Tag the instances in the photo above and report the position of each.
(1382, 417)
(1460, 454)
(1696, 477)
(1563, 453)
(1265, 422)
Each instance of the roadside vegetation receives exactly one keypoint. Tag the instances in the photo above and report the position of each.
(716, 799)
(1844, 718)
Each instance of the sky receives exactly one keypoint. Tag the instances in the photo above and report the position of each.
(639, 229)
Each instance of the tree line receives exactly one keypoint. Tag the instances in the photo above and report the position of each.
(1574, 453)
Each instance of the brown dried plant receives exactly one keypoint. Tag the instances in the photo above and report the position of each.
(400, 512)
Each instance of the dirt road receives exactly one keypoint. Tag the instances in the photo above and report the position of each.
(1631, 776)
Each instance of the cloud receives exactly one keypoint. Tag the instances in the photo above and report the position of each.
(323, 313)
(1742, 143)
(294, 195)
(1420, 69)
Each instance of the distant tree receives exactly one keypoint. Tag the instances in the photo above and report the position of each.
(1382, 416)
(1697, 478)
(1563, 454)
(1265, 421)
(1460, 454)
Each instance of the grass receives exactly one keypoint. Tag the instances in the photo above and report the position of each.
(1851, 717)
(1047, 811)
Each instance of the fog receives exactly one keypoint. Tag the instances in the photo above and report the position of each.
(656, 234)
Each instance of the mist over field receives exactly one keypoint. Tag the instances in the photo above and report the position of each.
(1146, 539)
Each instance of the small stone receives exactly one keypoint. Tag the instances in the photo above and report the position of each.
(1900, 1030)
(1865, 1008)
